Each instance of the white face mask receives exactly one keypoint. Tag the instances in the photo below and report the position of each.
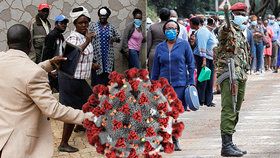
(174, 19)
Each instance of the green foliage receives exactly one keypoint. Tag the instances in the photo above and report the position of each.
(183, 7)
(152, 13)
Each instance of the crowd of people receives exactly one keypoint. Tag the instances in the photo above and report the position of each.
(177, 49)
(202, 34)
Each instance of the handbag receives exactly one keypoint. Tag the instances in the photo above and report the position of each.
(191, 98)
(204, 74)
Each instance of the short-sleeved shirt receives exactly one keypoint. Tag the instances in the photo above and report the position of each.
(205, 42)
(84, 66)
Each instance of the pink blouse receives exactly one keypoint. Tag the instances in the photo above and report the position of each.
(135, 40)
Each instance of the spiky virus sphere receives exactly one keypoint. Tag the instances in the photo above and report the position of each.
(133, 116)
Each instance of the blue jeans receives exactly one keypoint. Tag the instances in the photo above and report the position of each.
(258, 51)
(133, 59)
(180, 91)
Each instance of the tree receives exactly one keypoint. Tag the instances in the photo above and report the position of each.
(273, 5)
(187, 7)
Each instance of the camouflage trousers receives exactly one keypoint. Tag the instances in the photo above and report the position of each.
(229, 118)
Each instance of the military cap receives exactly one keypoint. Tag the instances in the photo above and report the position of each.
(239, 6)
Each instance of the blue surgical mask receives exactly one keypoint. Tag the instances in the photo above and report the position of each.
(137, 23)
(254, 23)
(243, 27)
(171, 34)
(239, 19)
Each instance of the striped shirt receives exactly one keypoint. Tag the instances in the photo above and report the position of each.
(84, 66)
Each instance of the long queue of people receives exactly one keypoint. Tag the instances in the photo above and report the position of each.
(212, 43)
(201, 33)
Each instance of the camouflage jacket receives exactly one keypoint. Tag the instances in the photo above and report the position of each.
(232, 44)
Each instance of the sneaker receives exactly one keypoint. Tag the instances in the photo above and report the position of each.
(257, 73)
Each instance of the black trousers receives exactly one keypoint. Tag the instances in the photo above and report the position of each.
(205, 88)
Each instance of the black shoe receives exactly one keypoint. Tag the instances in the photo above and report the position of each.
(229, 151)
(68, 149)
(228, 147)
(176, 144)
(211, 105)
(79, 128)
(275, 71)
(236, 148)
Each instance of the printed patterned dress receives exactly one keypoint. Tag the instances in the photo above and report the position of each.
(103, 50)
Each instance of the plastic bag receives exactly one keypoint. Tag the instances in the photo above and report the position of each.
(205, 74)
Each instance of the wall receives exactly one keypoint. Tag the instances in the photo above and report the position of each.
(22, 11)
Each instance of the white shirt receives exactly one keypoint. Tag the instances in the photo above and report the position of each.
(183, 34)
(46, 26)
(245, 33)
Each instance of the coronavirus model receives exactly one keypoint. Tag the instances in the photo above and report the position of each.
(134, 117)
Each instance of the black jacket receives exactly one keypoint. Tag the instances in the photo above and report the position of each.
(51, 47)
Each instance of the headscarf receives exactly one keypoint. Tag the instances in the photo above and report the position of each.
(79, 11)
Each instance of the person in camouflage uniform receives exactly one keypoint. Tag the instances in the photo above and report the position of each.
(232, 44)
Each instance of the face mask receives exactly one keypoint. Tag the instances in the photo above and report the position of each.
(243, 27)
(174, 19)
(137, 23)
(239, 19)
(254, 23)
(170, 34)
(271, 22)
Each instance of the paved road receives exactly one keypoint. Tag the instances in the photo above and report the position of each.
(258, 130)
